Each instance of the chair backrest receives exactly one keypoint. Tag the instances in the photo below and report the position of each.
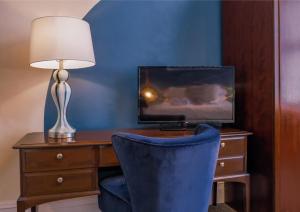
(169, 174)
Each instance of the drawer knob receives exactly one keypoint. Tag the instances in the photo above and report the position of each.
(222, 164)
(60, 180)
(223, 144)
(59, 156)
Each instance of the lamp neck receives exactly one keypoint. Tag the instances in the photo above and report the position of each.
(60, 75)
(61, 64)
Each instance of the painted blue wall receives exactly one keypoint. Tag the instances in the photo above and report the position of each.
(127, 34)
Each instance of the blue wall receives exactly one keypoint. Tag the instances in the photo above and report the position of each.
(127, 34)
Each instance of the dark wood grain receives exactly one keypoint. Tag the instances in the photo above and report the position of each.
(107, 156)
(248, 44)
(230, 166)
(233, 147)
(229, 148)
(288, 142)
(103, 137)
(46, 159)
(237, 193)
(29, 202)
(40, 167)
(45, 183)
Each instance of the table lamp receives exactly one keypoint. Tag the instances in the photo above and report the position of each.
(59, 43)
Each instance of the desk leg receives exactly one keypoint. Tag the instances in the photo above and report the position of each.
(34, 209)
(247, 195)
(240, 199)
(21, 206)
(214, 193)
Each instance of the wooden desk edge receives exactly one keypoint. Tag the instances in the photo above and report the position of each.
(101, 137)
(32, 201)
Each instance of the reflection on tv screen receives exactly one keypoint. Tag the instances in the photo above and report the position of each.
(186, 94)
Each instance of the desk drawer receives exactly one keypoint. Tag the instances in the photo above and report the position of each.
(58, 159)
(107, 156)
(60, 182)
(233, 147)
(230, 166)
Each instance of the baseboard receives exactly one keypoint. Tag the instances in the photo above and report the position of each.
(7, 205)
(81, 204)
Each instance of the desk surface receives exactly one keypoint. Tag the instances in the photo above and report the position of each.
(103, 137)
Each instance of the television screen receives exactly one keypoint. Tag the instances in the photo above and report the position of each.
(186, 94)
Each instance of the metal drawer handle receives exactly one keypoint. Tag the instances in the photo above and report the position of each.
(222, 164)
(223, 144)
(59, 156)
(60, 180)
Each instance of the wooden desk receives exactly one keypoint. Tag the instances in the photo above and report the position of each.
(55, 170)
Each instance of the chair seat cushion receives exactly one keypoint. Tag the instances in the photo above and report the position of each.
(114, 195)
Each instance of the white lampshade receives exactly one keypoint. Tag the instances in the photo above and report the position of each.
(61, 38)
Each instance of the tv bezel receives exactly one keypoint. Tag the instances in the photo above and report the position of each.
(196, 68)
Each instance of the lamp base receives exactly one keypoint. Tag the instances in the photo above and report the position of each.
(61, 135)
(61, 93)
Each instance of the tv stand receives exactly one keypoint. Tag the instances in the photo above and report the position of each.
(178, 126)
(215, 124)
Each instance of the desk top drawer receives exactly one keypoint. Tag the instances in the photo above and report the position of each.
(58, 159)
(233, 147)
(230, 166)
(59, 182)
(107, 156)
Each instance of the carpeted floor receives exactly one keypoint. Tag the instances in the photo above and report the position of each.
(220, 208)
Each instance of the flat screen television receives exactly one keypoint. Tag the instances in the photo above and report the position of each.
(186, 94)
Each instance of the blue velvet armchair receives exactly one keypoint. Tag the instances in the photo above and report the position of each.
(162, 174)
